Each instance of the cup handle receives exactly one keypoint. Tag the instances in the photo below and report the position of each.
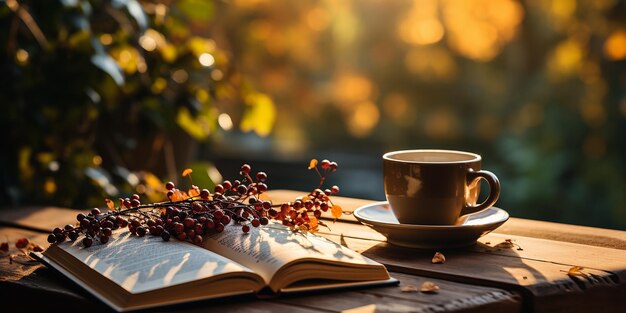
(494, 190)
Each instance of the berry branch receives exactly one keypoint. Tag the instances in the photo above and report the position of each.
(191, 215)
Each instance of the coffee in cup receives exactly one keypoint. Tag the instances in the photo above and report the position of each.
(436, 187)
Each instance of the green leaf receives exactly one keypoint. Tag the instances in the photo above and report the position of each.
(205, 175)
(196, 10)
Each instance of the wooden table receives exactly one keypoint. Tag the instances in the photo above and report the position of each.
(531, 276)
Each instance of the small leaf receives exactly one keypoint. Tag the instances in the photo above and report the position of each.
(438, 258)
(312, 164)
(194, 191)
(576, 271)
(110, 204)
(429, 287)
(187, 171)
(336, 211)
(177, 195)
(409, 288)
(259, 116)
(313, 222)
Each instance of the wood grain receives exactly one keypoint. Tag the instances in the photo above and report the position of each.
(452, 297)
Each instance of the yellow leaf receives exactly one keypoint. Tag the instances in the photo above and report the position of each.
(199, 126)
(576, 271)
(187, 171)
(313, 223)
(336, 211)
(110, 204)
(199, 45)
(312, 164)
(260, 115)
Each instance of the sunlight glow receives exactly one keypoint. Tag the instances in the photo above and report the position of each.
(615, 46)
(363, 119)
(206, 59)
(226, 123)
(22, 56)
(180, 76)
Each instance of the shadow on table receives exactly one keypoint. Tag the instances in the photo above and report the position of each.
(497, 266)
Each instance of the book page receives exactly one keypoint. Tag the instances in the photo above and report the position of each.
(140, 264)
(267, 248)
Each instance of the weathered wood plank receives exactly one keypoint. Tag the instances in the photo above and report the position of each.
(592, 236)
(42, 219)
(545, 285)
(452, 297)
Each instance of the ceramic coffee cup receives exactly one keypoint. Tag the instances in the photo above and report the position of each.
(436, 187)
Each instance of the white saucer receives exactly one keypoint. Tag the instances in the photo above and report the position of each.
(380, 217)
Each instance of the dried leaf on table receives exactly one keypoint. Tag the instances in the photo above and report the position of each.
(429, 287)
(577, 271)
(409, 288)
(438, 258)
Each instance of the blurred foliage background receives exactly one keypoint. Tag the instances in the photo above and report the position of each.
(101, 91)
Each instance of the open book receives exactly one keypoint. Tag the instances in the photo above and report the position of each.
(132, 272)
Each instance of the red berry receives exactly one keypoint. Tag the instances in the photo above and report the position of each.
(227, 185)
(197, 239)
(21, 243)
(87, 241)
(261, 176)
(204, 194)
(333, 166)
(134, 203)
(80, 217)
(209, 224)
(256, 222)
(225, 219)
(242, 189)
(169, 185)
(141, 231)
(52, 238)
(325, 164)
(263, 220)
(104, 239)
(72, 235)
(95, 211)
(219, 188)
(245, 228)
(219, 228)
(246, 168)
(335, 189)
(135, 196)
